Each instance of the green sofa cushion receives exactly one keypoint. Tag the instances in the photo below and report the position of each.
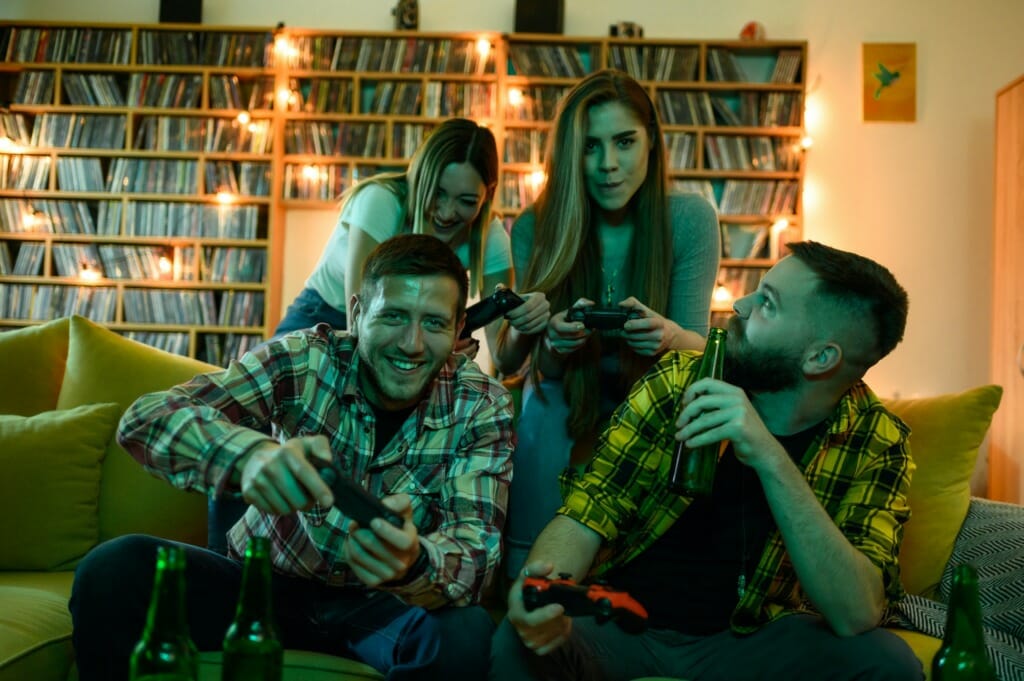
(49, 521)
(35, 634)
(33, 360)
(105, 367)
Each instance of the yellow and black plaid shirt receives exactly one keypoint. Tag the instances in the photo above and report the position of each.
(859, 471)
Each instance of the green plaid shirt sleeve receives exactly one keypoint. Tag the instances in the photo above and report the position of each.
(859, 471)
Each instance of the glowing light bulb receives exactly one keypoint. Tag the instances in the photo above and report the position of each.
(9, 146)
(165, 265)
(721, 295)
(806, 142)
(311, 173)
(283, 95)
(244, 117)
(780, 225)
(224, 197)
(483, 47)
(537, 179)
(515, 97)
(284, 47)
(30, 221)
(88, 273)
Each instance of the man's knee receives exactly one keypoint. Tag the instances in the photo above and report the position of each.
(875, 655)
(465, 640)
(122, 567)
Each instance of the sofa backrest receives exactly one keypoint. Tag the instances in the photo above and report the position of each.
(103, 366)
(32, 367)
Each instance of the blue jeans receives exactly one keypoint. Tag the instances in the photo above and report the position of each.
(111, 594)
(309, 309)
(543, 447)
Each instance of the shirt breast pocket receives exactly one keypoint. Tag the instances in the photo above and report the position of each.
(423, 484)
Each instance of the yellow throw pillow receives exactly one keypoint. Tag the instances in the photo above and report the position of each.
(32, 360)
(51, 464)
(946, 432)
(105, 367)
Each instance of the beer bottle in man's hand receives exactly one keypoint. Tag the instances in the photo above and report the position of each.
(693, 470)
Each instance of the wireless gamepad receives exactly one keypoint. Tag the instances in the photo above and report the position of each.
(352, 499)
(498, 304)
(602, 318)
(598, 600)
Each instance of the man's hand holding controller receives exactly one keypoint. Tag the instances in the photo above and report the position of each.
(543, 629)
(284, 478)
(280, 478)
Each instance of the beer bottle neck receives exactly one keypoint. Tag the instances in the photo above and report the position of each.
(255, 601)
(963, 623)
(166, 616)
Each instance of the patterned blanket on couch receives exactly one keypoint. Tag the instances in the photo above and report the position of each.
(991, 539)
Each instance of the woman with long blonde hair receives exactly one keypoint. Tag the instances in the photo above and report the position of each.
(605, 232)
(446, 191)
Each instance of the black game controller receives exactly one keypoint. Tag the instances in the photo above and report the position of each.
(602, 318)
(580, 600)
(352, 499)
(490, 308)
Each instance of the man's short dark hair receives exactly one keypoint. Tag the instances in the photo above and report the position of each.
(415, 255)
(860, 287)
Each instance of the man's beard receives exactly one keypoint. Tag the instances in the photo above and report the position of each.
(758, 369)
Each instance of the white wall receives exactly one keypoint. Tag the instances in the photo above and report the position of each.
(917, 197)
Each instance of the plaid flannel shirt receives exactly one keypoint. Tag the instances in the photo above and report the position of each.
(452, 456)
(859, 470)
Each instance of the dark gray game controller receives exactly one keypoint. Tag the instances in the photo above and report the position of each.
(602, 318)
(498, 304)
(354, 500)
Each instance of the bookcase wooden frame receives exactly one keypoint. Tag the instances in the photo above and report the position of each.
(360, 103)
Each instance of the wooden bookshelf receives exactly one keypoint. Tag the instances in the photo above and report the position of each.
(150, 167)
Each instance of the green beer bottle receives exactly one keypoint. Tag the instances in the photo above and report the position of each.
(166, 652)
(963, 656)
(693, 470)
(252, 649)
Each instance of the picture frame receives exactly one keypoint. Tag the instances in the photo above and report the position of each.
(889, 82)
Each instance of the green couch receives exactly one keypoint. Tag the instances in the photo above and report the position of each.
(68, 486)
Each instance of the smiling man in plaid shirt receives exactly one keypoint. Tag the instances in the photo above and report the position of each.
(388, 404)
(786, 570)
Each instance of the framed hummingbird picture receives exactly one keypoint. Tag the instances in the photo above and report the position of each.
(890, 81)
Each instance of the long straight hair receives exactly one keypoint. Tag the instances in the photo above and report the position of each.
(566, 259)
(456, 140)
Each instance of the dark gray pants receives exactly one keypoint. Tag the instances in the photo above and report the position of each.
(792, 647)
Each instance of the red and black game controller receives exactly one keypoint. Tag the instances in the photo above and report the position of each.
(581, 600)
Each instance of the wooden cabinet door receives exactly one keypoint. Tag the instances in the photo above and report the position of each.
(1006, 444)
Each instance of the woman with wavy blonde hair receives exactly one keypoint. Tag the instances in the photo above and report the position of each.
(605, 232)
(446, 191)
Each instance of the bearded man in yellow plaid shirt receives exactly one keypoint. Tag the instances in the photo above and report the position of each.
(787, 569)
